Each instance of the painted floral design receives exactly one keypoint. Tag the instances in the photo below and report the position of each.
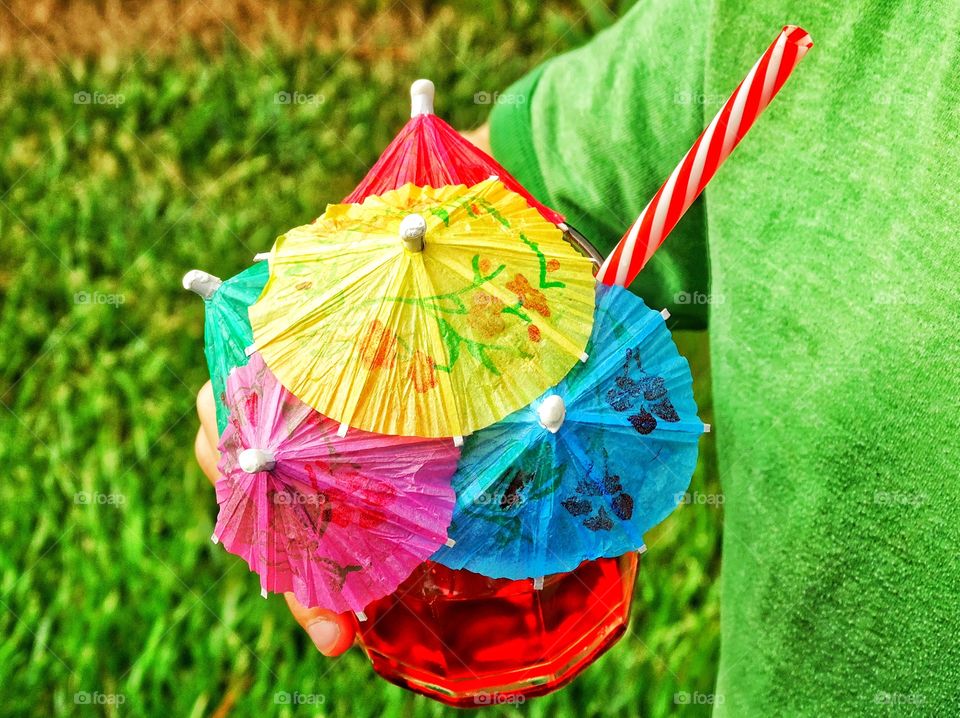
(313, 514)
(378, 348)
(251, 408)
(486, 315)
(530, 297)
(356, 501)
(423, 372)
(513, 495)
(607, 491)
(514, 489)
(643, 395)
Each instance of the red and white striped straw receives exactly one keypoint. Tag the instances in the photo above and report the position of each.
(707, 154)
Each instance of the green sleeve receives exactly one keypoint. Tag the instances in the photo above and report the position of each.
(594, 132)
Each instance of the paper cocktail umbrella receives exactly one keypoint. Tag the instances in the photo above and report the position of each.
(430, 153)
(589, 467)
(424, 312)
(226, 328)
(340, 521)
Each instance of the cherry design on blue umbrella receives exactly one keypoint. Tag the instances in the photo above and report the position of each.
(647, 394)
(582, 503)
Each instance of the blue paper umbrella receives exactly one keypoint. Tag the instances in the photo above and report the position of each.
(226, 332)
(588, 467)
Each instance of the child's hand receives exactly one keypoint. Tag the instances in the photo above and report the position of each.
(331, 633)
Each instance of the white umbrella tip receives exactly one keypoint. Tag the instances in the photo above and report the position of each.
(200, 282)
(255, 460)
(552, 412)
(421, 97)
(413, 228)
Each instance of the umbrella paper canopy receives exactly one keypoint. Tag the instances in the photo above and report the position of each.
(430, 153)
(340, 521)
(424, 312)
(226, 330)
(590, 466)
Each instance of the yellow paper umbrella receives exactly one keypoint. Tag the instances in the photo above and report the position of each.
(422, 311)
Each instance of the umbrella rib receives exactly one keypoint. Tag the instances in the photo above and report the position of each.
(693, 429)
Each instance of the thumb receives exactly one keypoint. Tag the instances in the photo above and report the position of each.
(205, 445)
(332, 633)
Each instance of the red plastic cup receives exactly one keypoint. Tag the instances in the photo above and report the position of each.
(468, 640)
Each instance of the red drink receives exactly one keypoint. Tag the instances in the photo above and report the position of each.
(467, 640)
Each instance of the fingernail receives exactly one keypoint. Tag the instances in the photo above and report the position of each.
(324, 634)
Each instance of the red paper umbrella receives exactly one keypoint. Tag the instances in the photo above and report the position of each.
(430, 153)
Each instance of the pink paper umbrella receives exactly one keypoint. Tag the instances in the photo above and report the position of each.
(340, 521)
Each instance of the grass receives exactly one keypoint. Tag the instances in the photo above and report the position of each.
(102, 209)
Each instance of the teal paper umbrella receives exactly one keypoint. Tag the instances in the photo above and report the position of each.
(226, 331)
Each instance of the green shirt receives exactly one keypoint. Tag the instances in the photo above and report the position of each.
(824, 255)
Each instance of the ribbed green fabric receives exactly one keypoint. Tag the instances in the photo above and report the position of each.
(825, 256)
(515, 138)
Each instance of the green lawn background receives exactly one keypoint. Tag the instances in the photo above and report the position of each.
(102, 209)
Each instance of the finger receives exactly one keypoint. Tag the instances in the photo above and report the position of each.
(207, 456)
(332, 633)
(207, 411)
